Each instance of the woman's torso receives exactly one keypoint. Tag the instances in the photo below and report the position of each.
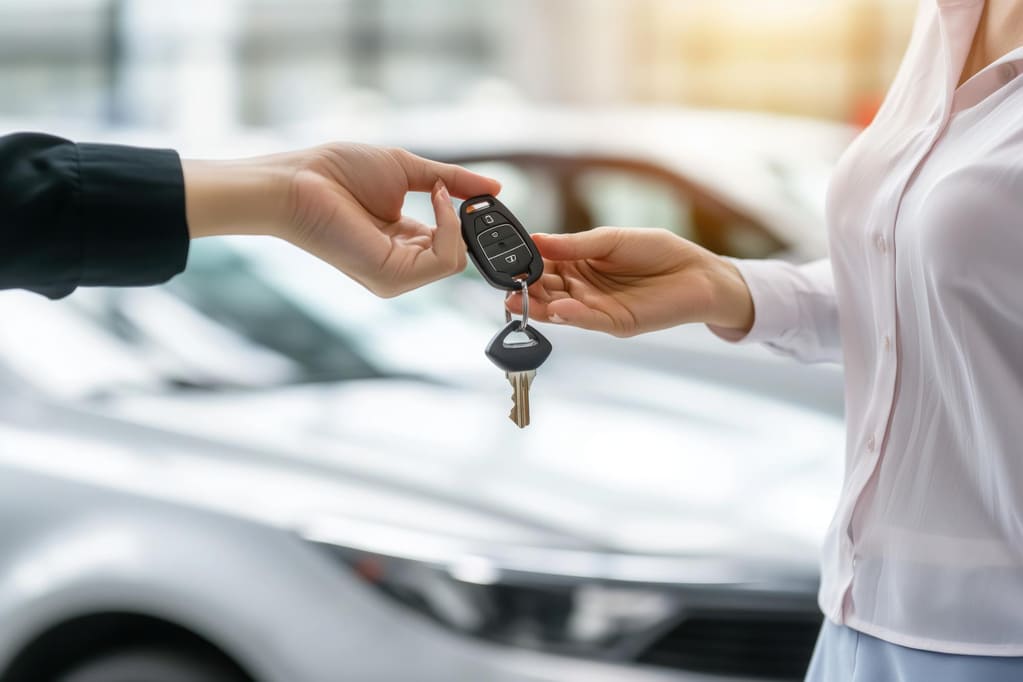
(926, 229)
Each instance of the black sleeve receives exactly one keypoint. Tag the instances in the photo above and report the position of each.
(88, 214)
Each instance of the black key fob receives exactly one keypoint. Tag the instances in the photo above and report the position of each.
(519, 357)
(498, 244)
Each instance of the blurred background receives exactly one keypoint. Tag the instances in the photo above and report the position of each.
(260, 472)
(271, 62)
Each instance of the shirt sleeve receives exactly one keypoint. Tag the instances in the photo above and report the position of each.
(795, 309)
(88, 215)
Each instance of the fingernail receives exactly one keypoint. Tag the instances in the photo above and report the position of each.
(557, 320)
(442, 191)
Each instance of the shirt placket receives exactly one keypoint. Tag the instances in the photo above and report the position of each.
(872, 441)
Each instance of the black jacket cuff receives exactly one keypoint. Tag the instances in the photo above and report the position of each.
(131, 208)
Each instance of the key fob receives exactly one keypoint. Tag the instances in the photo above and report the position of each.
(498, 244)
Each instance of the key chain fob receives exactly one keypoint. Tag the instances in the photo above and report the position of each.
(498, 244)
(518, 357)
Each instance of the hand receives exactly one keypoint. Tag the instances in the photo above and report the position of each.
(627, 281)
(342, 203)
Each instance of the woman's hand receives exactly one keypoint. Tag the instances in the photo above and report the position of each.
(342, 203)
(627, 281)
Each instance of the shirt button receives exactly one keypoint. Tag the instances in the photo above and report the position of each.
(882, 245)
(887, 342)
(871, 443)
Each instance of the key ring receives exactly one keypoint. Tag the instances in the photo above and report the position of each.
(525, 305)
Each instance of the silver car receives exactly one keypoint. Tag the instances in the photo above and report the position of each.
(261, 472)
(225, 479)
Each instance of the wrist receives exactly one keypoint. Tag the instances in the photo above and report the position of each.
(234, 197)
(732, 304)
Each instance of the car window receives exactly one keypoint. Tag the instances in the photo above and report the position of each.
(741, 238)
(223, 286)
(635, 197)
(529, 189)
(569, 195)
(248, 313)
(625, 198)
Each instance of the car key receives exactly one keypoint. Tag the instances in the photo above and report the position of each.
(504, 253)
(498, 244)
(519, 360)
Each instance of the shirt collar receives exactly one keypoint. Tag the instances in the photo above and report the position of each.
(958, 20)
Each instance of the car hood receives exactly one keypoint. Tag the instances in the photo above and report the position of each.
(661, 466)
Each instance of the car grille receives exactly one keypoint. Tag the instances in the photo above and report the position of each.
(769, 645)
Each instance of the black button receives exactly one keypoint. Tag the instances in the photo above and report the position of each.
(514, 262)
(500, 247)
(499, 233)
(491, 219)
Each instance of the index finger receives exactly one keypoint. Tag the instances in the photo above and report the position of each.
(597, 243)
(423, 174)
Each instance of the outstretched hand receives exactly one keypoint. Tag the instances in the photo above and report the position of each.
(627, 281)
(346, 204)
(342, 203)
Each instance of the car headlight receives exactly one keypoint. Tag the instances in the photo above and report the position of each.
(518, 610)
(565, 601)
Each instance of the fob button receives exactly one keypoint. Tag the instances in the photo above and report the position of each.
(513, 262)
(500, 247)
(488, 220)
(494, 235)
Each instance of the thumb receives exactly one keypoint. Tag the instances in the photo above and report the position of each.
(597, 244)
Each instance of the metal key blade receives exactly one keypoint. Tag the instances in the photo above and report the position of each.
(519, 360)
(520, 381)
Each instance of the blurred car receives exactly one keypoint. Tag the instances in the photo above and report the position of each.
(742, 184)
(261, 472)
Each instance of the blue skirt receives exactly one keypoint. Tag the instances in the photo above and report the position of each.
(845, 655)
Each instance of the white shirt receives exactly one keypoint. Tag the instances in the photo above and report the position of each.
(922, 301)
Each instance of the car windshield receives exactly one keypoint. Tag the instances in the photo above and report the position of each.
(247, 313)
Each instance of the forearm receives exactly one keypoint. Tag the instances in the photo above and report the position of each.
(235, 197)
(75, 215)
